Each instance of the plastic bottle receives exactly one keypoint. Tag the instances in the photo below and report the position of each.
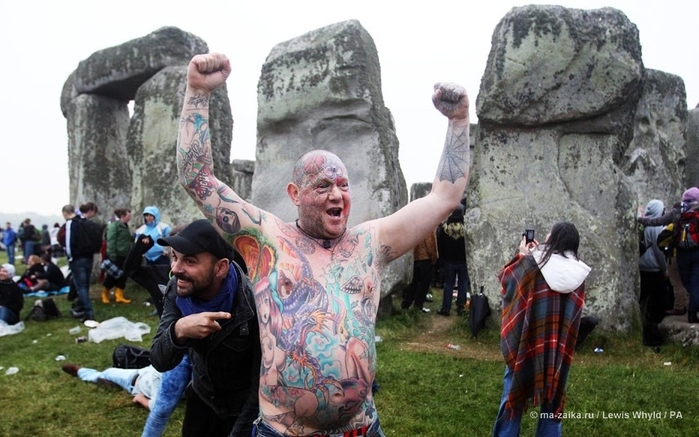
(456, 347)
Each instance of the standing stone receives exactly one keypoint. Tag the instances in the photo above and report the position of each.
(654, 161)
(322, 90)
(97, 156)
(555, 107)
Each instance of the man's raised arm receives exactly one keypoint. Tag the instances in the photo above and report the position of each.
(403, 230)
(195, 164)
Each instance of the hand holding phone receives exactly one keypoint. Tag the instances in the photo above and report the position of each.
(528, 235)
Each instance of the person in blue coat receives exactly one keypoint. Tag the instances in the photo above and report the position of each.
(155, 229)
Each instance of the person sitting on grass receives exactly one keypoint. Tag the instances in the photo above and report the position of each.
(11, 296)
(50, 278)
(143, 383)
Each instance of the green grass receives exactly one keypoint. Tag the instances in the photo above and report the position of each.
(425, 389)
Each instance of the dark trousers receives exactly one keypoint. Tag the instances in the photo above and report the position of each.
(416, 292)
(688, 266)
(587, 324)
(111, 281)
(652, 312)
(201, 421)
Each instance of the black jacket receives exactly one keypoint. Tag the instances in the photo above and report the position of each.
(225, 365)
(12, 298)
(152, 277)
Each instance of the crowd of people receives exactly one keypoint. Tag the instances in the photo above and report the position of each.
(267, 327)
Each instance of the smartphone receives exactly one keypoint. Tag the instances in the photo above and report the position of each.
(528, 235)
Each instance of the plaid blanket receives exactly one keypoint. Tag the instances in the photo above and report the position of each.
(538, 336)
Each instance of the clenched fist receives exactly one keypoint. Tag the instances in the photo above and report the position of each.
(451, 100)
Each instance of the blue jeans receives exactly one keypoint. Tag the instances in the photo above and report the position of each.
(81, 268)
(688, 267)
(10, 249)
(452, 270)
(124, 378)
(172, 385)
(7, 316)
(28, 250)
(261, 429)
(509, 427)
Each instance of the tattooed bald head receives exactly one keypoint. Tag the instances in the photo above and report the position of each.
(315, 164)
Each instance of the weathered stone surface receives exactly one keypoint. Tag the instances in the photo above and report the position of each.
(551, 64)
(152, 142)
(536, 178)
(97, 156)
(654, 161)
(420, 189)
(118, 71)
(322, 90)
(241, 177)
(692, 149)
(572, 128)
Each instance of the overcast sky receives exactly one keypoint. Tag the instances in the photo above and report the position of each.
(419, 43)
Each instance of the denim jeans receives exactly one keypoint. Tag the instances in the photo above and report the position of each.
(28, 250)
(7, 316)
(172, 385)
(81, 268)
(688, 267)
(452, 270)
(261, 429)
(10, 249)
(509, 427)
(124, 378)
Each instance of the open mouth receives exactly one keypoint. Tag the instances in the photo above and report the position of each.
(335, 212)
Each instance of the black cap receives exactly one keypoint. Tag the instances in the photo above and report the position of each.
(197, 237)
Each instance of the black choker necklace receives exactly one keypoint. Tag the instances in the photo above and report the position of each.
(325, 244)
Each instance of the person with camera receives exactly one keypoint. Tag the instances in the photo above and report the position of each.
(543, 296)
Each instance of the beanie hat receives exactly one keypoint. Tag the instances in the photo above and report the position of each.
(691, 195)
(10, 269)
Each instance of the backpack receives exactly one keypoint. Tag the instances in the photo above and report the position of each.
(43, 310)
(128, 356)
(687, 231)
(89, 238)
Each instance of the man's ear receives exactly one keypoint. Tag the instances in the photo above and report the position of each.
(293, 191)
(222, 267)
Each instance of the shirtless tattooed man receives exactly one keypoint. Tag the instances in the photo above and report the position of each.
(317, 283)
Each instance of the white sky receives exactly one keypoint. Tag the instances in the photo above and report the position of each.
(419, 43)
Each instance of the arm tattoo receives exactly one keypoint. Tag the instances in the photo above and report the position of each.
(455, 157)
(199, 101)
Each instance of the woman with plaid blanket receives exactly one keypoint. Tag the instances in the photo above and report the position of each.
(543, 295)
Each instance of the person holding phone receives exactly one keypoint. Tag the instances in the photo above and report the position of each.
(543, 292)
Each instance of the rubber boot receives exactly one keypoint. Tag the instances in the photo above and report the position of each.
(119, 295)
(105, 295)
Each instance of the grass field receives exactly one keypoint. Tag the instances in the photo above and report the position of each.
(425, 389)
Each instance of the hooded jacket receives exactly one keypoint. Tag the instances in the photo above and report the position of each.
(652, 259)
(155, 230)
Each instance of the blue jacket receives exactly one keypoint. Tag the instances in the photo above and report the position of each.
(155, 230)
(9, 237)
